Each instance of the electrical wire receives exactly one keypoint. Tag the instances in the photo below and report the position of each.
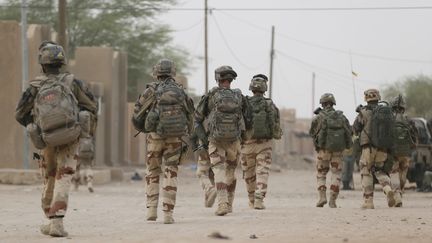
(341, 51)
(229, 48)
(189, 27)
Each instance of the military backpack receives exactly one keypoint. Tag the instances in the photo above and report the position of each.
(265, 118)
(382, 126)
(226, 116)
(168, 116)
(333, 135)
(403, 142)
(56, 111)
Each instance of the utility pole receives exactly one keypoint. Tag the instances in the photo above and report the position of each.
(353, 75)
(271, 62)
(205, 46)
(313, 92)
(24, 74)
(62, 24)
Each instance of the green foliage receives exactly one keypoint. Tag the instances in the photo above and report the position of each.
(127, 25)
(417, 92)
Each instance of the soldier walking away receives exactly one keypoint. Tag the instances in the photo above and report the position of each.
(165, 112)
(404, 144)
(374, 124)
(86, 151)
(348, 169)
(331, 134)
(49, 109)
(256, 149)
(227, 113)
(204, 172)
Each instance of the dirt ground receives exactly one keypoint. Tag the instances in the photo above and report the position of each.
(116, 213)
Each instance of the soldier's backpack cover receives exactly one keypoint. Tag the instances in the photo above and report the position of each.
(382, 126)
(333, 133)
(56, 110)
(226, 117)
(168, 117)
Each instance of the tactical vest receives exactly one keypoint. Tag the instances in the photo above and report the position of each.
(168, 116)
(403, 142)
(56, 110)
(226, 116)
(333, 133)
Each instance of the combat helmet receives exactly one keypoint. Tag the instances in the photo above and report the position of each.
(225, 73)
(372, 95)
(258, 83)
(328, 98)
(51, 53)
(398, 102)
(164, 67)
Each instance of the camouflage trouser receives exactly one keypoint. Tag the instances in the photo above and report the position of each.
(348, 169)
(57, 168)
(223, 158)
(83, 170)
(326, 161)
(256, 158)
(372, 162)
(427, 181)
(204, 173)
(399, 172)
(168, 149)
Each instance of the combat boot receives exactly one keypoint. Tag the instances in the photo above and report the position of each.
(333, 197)
(251, 204)
(168, 218)
(398, 199)
(45, 228)
(390, 196)
(57, 229)
(151, 213)
(210, 197)
(222, 209)
(368, 204)
(259, 204)
(230, 201)
(322, 199)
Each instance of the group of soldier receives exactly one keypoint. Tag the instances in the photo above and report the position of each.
(382, 134)
(59, 113)
(226, 128)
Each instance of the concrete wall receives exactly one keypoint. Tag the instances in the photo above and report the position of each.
(12, 134)
(108, 67)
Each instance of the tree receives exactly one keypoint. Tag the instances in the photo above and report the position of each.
(127, 25)
(417, 92)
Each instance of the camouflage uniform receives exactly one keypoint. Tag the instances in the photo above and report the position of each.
(58, 164)
(328, 160)
(223, 155)
(161, 149)
(256, 149)
(204, 172)
(348, 169)
(84, 171)
(402, 156)
(372, 159)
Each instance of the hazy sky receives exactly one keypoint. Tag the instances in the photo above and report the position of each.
(306, 42)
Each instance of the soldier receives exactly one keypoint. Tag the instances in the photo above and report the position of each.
(373, 122)
(348, 169)
(49, 109)
(204, 172)
(86, 148)
(227, 113)
(165, 112)
(331, 134)
(256, 150)
(404, 144)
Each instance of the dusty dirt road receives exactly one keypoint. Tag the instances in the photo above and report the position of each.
(116, 213)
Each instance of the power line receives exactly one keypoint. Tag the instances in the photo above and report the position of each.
(229, 48)
(308, 43)
(189, 27)
(236, 9)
